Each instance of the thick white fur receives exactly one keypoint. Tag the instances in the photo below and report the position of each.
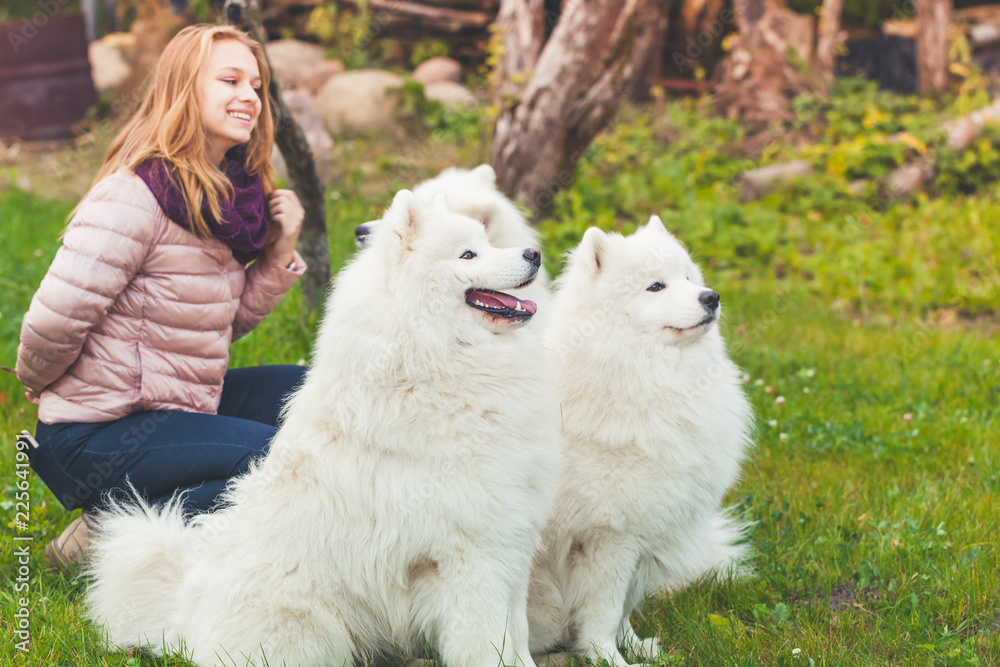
(655, 425)
(402, 497)
(473, 192)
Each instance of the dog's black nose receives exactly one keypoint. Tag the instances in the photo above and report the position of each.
(709, 299)
(533, 256)
(361, 231)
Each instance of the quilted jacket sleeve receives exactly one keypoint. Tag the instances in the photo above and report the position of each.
(103, 249)
(266, 285)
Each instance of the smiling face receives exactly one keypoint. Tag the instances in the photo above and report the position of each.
(228, 92)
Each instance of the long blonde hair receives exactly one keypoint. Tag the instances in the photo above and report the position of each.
(168, 124)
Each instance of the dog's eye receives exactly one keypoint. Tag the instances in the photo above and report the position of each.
(655, 287)
(468, 254)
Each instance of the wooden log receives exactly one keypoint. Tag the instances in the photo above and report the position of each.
(440, 18)
(963, 131)
(758, 182)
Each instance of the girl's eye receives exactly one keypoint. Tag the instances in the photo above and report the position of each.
(468, 254)
(231, 82)
(656, 287)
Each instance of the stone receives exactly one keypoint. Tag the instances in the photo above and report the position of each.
(358, 101)
(108, 68)
(452, 95)
(438, 69)
(320, 74)
(291, 60)
(303, 109)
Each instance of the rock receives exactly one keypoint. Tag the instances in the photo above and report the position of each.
(108, 68)
(291, 60)
(438, 69)
(358, 101)
(320, 74)
(123, 41)
(452, 95)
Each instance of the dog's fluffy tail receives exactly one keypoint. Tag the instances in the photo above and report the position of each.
(730, 552)
(137, 563)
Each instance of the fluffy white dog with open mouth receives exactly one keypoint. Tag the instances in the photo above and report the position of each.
(473, 192)
(401, 499)
(655, 425)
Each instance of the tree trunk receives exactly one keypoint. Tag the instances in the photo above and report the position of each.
(768, 66)
(826, 44)
(313, 244)
(933, 19)
(580, 78)
(520, 29)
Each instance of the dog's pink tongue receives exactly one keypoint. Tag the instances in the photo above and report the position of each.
(500, 300)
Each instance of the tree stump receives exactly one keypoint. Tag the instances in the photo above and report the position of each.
(769, 64)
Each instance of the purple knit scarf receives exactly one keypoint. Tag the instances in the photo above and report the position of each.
(244, 226)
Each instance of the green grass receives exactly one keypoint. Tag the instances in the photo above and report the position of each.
(875, 533)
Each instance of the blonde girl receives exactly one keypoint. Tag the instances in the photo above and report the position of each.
(181, 246)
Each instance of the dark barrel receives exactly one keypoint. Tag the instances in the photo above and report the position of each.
(45, 84)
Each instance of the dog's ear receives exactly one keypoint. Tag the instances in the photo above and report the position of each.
(405, 214)
(485, 173)
(656, 225)
(590, 253)
(439, 202)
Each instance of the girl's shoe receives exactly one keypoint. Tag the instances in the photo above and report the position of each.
(66, 552)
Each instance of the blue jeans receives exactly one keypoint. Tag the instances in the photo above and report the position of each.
(163, 452)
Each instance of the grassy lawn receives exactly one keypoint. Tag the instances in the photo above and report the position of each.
(875, 483)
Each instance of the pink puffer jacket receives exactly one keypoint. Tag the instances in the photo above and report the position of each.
(137, 313)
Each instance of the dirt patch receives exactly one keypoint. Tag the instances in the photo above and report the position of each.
(61, 170)
(847, 596)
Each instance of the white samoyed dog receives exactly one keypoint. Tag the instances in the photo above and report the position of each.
(655, 425)
(401, 500)
(473, 192)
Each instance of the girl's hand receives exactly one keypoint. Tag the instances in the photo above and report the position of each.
(31, 398)
(286, 223)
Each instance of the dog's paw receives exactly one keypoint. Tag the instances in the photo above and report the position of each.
(647, 650)
(597, 653)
